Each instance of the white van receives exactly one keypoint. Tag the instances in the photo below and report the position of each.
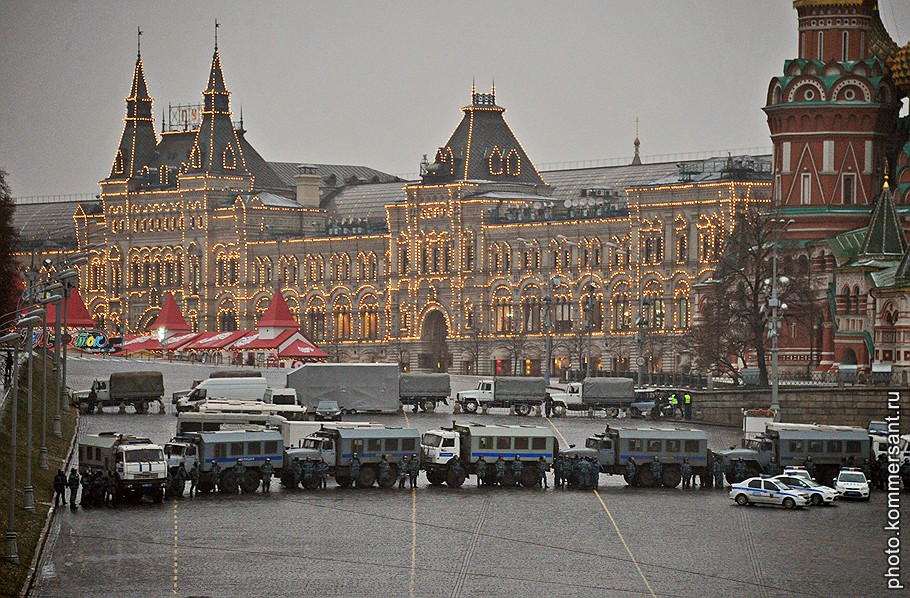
(241, 389)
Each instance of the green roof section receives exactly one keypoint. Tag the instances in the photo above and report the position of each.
(846, 246)
(885, 238)
(902, 274)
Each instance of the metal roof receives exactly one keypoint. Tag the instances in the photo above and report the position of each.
(235, 435)
(355, 433)
(505, 430)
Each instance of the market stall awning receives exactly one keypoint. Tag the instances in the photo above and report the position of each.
(300, 347)
(77, 315)
(136, 343)
(252, 341)
(213, 340)
(170, 317)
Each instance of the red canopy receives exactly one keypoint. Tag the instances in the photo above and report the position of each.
(134, 343)
(301, 348)
(278, 315)
(213, 340)
(77, 315)
(252, 342)
(170, 317)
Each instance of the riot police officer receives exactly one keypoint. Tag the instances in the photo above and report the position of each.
(385, 469)
(686, 473)
(557, 471)
(657, 470)
(215, 472)
(631, 470)
(194, 479)
(739, 470)
(481, 470)
(773, 468)
(59, 488)
(718, 469)
(403, 471)
(517, 467)
(542, 467)
(322, 470)
(266, 474)
(355, 470)
(179, 480)
(307, 469)
(500, 470)
(239, 475)
(414, 470)
(73, 483)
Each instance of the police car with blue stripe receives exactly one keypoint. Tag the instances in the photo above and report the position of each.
(767, 491)
(818, 494)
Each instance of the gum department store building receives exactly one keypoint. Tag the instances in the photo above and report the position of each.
(460, 269)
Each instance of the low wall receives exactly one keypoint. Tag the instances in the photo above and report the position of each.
(850, 406)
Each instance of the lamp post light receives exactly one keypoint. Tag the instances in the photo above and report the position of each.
(42, 452)
(30, 321)
(162, 338)
(777, 310)
(12, 551)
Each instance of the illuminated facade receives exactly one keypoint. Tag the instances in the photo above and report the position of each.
(454, 271)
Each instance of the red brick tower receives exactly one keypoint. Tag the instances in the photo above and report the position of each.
(833, 117)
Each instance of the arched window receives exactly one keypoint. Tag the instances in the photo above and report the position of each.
(342, 327)
(118, 163)
(513, 163)
(315, 319)
(530, 309)
(495, 161)
(503, 311)
(621, 308)
(369, 317)
(229, 160)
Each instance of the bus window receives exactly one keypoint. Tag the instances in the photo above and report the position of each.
(835, 446)
(391, 445)
(539, 444)
(503, 442)
(521, 443)
(408, 444)
(654, 446)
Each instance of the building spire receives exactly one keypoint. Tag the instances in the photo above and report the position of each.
(138, 141)
(493, 90)
(138, 42)
(216, 35)
(636, 159)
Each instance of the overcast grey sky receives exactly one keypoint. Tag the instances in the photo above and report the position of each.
(381, 83)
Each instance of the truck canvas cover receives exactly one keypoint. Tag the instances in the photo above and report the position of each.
(618, 391)
(128, 385)
(520, 389)
(364, 387)
(424, 385)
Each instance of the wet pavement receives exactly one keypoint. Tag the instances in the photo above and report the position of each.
(439, 541)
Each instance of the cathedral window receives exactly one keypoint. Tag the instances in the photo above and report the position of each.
(805, 197)
(495, 162)
(342, 318)
(229, 160)
(369, 317)
(503, 312)
(847, 189)
(513, 163)
(118, 163)
(315, 319)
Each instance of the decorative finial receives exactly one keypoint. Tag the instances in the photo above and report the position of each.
(139, 43)
(493, 90)
(473, 89)
(216, 35)
(241, 118)
(636, 127)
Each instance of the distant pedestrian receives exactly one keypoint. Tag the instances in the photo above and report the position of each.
(322, 470)
(548, 406)
(297, 472)
(215, 472)
(73, 482)
(180, 480)
(867, 470)
(239, 477)
(882, 468)
(686, 474)
(59, 488)
(594, 466)
(674, 404)
(657, 470)
(86, 480)
(557, 471)
(687, 403)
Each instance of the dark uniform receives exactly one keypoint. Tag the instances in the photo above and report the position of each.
(594, 465)
(73, 483)
(180, 480)
(481, 469)
(385, 468)
(500, 470)
(739, 470)
(86, 481)
(403, 471)
(59, 488)
(718, 469)
(517, 467)
(687, 403)
(297, 472)
(414, 470)
(557, 471)
(355, 470)
(194, 479)
(773, 468)
(265, 473)
(581, 474)
(239, 475)
(657, 470)
(307, 469)
(215, 472)
(810, 466)
(542, 467)
(111, 487)
(322, 469)
(867, 470)
(631, 470)
(686, 474)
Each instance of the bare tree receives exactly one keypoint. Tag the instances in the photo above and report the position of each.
(734, 319)
(516, 342)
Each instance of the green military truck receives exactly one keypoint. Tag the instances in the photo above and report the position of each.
(136, 389)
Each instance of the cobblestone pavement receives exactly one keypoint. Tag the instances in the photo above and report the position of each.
(441, 542)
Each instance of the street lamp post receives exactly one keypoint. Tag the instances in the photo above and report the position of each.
(29, 490)
(68, 278)
(589, 323)
(42, 452)
(12, 551)
(777, 309)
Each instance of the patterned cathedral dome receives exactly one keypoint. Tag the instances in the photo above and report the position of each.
(899, 66)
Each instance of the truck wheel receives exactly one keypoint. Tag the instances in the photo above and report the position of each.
(508, 476)
(206, 484)
(671, 476)
(645, 478)
(311, 482)
(529, 477)
(158, 496)
(435, 477)
(470, 406)
(559, 409)
(139, 407)
(366, 478)
(455, 481)
(490, 478)
(633, 481)
(522, 409)
(634, 411)
(429, 405)
(228, 482)
(388, 480)
(251, 480)
(343, 480)
(612, 412)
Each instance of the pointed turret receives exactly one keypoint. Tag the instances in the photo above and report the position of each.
(482, 148)
(217, 148)
(138, 142)
(170, 318)
(636, 159)
(885, 237)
